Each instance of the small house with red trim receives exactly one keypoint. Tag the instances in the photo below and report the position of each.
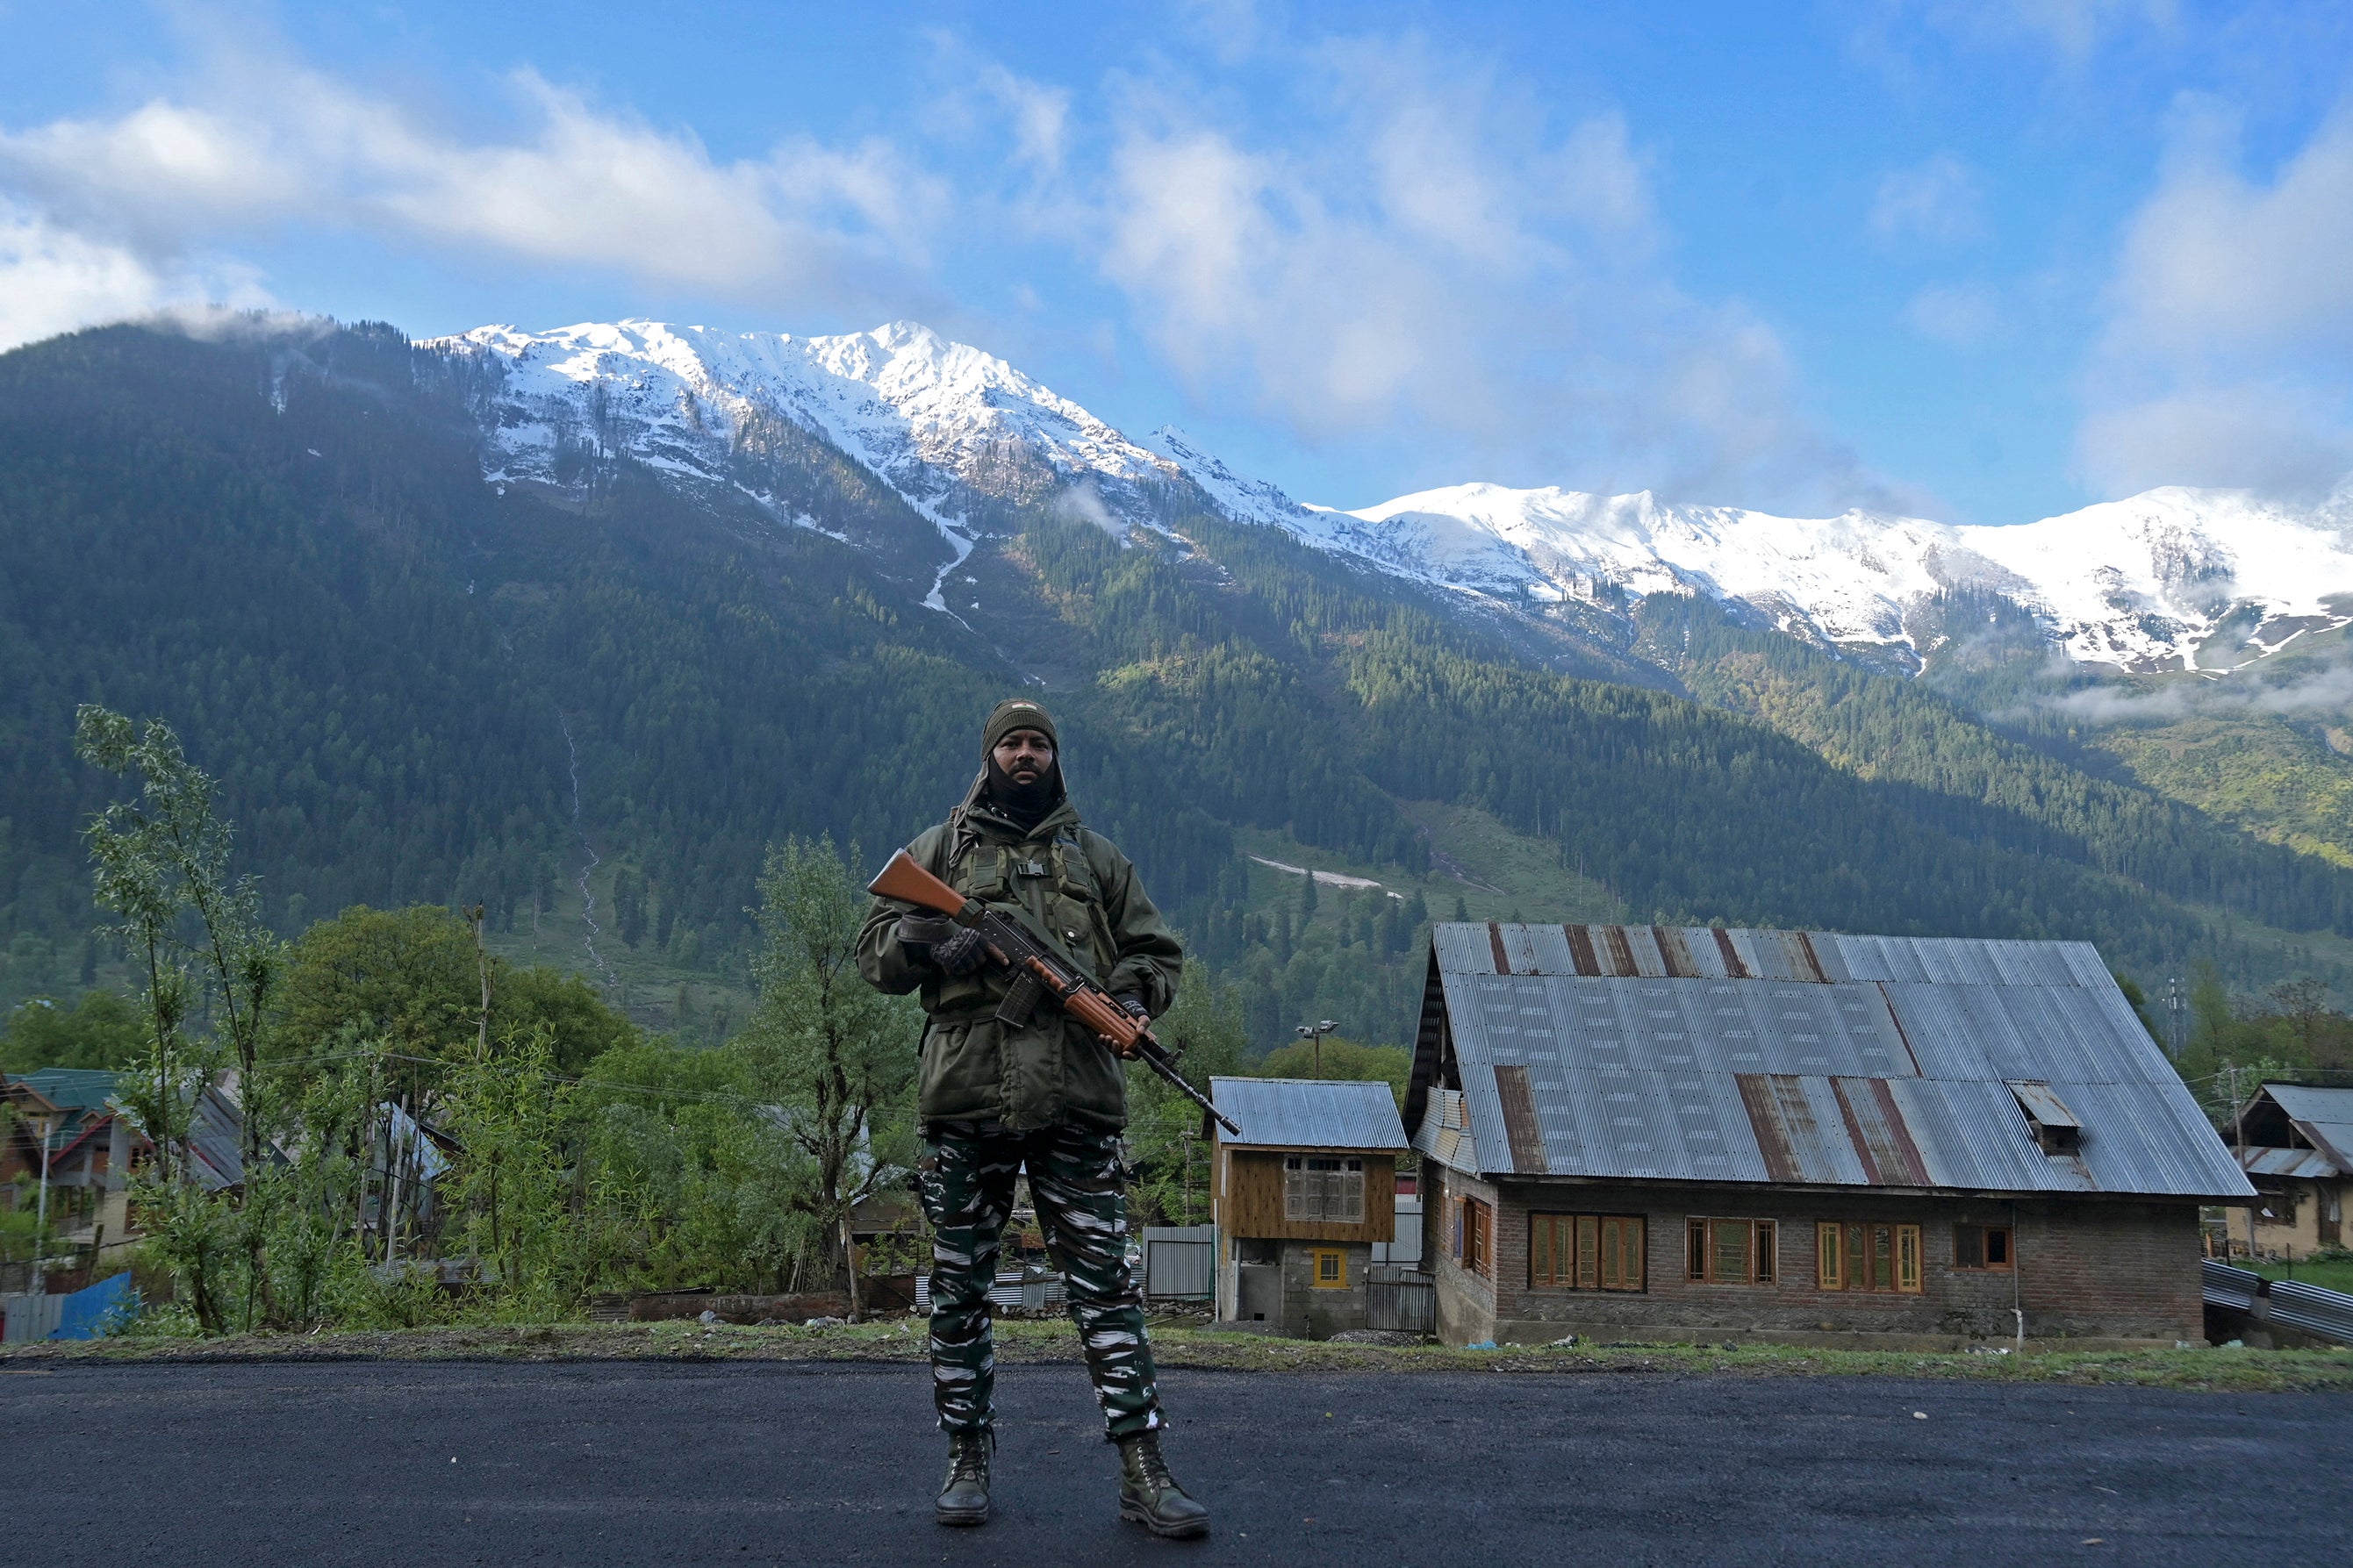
(1657, 1133)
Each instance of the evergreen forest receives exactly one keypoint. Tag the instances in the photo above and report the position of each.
(591, 710)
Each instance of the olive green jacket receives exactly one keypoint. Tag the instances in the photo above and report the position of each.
(1075, 885)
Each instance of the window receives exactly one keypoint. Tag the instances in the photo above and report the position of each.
(1474, 1237)
(1331, 1268)
(1981, 1247)
(1323, 1190)
(1869, 1257)
(1586, 1251)
(1733, 1251)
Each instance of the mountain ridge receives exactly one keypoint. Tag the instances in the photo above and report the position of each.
(2172, 580)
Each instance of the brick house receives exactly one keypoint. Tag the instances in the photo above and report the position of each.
(1637, 1133)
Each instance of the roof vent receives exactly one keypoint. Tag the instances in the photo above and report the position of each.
(2056, 1131)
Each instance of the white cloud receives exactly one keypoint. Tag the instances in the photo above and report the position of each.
(55, 280)
(571, 185)
(2228, 356)
(52, 281)
(1420, 254)
(1938, 201)
(2215, 264)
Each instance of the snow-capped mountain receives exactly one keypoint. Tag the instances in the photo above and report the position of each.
(2143, 584)
(934, 418)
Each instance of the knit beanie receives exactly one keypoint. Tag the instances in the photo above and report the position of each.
(1015, 713)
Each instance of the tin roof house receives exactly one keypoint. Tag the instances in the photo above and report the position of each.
(2296, 1143)
(1692, 1132)
(1300, 1198)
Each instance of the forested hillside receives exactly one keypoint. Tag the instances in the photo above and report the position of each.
(419, 687)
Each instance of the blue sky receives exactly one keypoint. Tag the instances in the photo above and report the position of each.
(1986, 261)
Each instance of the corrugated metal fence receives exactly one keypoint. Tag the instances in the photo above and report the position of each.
(1180, 1262)
(2307, 1308)
(83, 1315)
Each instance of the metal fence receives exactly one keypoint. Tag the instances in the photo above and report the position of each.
(1018, 1290)
(31, 1316)
(1180, 1262)
(1406, 1304)
(2233, 1288)
(2326, 1314)
(85, 1314)
(2307, 1308)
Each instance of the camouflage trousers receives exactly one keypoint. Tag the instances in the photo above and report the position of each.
(966, 1171)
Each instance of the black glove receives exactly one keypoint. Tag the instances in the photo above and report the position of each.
(956, 950)
(960, 954)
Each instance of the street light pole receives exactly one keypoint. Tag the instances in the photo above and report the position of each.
(1317, 1032)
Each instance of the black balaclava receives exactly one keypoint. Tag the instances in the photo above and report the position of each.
(1025, 808)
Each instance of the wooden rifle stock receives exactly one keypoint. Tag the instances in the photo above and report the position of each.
(908, 883)
(905, 882)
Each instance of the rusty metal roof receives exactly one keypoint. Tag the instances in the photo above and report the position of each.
(1310, 1113)
(1705, 1054)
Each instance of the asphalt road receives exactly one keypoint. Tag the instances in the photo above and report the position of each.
(622, 1463)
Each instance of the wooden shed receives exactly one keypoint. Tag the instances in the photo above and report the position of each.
(1300, 1198)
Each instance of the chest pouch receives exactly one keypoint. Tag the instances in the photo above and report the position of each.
(983, 874)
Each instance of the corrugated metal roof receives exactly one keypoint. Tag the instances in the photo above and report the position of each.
(1310, 1113)
(2307, 1163)
(2323, 1115)
(1701, 1053)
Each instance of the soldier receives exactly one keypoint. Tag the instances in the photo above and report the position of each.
(1046, 1096)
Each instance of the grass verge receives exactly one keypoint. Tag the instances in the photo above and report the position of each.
(2220, 1370)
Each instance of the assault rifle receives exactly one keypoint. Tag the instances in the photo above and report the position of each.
(1040, 974)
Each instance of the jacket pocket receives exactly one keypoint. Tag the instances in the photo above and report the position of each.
(959, 1073)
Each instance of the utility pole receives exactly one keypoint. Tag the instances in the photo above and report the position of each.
(2175, 1011)
(47, 1127)
(2239, 1150)
(1317, 1032)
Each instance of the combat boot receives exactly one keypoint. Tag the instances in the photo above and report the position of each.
(1149, 1495)
(964, 1499)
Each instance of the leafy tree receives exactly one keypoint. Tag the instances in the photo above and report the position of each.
(836, 1056)
(102, 1029)
(158, 857)
(408, 978)
(1205, 1030)
(1342, 1059)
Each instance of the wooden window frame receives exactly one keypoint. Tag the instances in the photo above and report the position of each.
(1703, 1252)
(1977, 1242)
(1849, 1255)
(1474, 1237)
(1588, 1252)
(1322, 1189)
(1337, 1256)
